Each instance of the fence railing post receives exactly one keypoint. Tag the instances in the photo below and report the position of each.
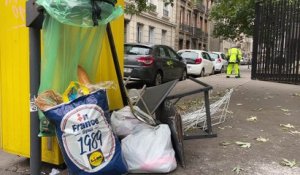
(255, 40)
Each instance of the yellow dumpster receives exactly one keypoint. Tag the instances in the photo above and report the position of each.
(14, 81)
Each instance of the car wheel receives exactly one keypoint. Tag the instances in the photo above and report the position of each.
(222, 69)
(184, 75)
(202, 73)
(213, 71)
(158, 79)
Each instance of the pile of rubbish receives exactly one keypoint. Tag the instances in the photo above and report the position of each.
(94, 140)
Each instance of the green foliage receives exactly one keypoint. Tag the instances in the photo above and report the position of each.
(138, 6)
(233, 17)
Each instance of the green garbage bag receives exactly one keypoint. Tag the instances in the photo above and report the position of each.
(82, 13)
(70, 38)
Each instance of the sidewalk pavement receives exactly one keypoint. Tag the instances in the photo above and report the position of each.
(272, 103)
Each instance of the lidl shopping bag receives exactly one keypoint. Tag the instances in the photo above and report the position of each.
(85, 137)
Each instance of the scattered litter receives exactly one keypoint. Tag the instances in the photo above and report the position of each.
(287, 125)
(286, 162)
(239, 104)
(268, 97)
(54, 171)
(237, 169)
(285, 110)
(224, 127)
(225, 143)
(252, 119)
(243, 144)
(288, 114)
(261, 139)
(278, 106)
(294, 132)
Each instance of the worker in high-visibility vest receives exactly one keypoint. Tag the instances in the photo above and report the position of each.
(234, 56)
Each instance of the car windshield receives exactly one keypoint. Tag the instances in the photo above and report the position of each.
(189, 55)
(213, 56)
(137, 50)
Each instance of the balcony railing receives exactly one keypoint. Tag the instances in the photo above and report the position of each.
(199, 7)
(197, 33)
(165, 13)
(205, 36)
(152, 7)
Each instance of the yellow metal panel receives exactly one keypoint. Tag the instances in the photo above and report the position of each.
(14, 78)
(14, 81)
(107, 70)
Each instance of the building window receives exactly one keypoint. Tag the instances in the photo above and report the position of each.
(195, 20)
(187, 44)
(205, 26)
(188, 18)
(181, 15)
(201, 23)
(163, 36)
(151, 35)
(165, 10)
(126, 24)
(139, 33)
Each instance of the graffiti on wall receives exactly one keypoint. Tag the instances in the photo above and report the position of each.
(17, 8)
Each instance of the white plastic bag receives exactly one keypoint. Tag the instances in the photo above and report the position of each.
(124, 123)
(149, 150)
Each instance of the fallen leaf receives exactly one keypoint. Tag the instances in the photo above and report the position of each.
(239, 104)
(278, 106)
(285, 110)
(229, 112)
(261, 139)
(287, 125)
(294, 132)
(286, 162)
(252, 119)
(243, 144)
(237, 169)
(225, 143)
(224, 127)
(288, 114)
(257, 109)
(296, 94)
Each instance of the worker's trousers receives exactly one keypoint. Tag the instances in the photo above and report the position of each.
(234, 66)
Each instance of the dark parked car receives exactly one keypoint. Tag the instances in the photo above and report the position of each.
(153, 64)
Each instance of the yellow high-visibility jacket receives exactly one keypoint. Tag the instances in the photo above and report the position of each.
(234, 55)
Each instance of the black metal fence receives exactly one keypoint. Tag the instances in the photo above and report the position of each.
(276, 47)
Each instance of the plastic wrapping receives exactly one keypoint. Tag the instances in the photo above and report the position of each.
(124, 123)
(65, 47)
(80, 12)
(149, 150)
